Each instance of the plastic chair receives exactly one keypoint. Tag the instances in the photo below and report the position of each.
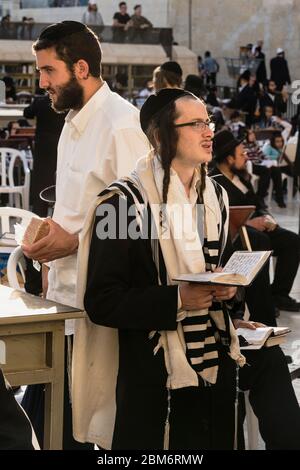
(16, 260)
(254, 178)
(8, 157)
(6, 214)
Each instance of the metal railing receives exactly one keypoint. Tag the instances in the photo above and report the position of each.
(31, 31)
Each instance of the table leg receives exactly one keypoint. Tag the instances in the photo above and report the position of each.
(54, 391)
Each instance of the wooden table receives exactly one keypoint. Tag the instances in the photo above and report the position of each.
(32, 351)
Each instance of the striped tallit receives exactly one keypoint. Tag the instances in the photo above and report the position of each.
(198, 329)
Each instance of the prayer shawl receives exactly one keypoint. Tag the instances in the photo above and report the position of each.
(94, 380)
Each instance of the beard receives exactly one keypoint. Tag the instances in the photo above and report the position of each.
(68, 96)
(242, 173)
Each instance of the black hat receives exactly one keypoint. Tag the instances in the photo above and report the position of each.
(172, 66)
(224, 144)
(194, 84)
(246, 75)
(156, 103)
(60, 30)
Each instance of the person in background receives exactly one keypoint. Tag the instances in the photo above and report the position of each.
(263, 231)
(138, 26)
(147, 90)
(280, 73)
(256, 156)
(236, 125)
(194, 84)
(261, 72)
(120, 23)
(121, 17)
(274, 152)
(211, 68)
(15, 428)
(246, 99)
(49, 125)
(10, 89)
(138, 21)
(200, 64)
(212, 97)
(167, 75)
(92, 16)
(274, 98)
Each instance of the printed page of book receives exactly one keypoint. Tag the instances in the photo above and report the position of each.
(240, 270)
(246, 263)
(280, 330)
(257, 336)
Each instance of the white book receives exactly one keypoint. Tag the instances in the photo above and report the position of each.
(263, 336)
(240, 270)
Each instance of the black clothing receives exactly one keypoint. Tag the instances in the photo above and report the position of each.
(285, 245)
(211, 99)
(15, 428)
(49, 125)
(278, 104)
(126, 295)
(261, 72)
(272, 397)
(123, 19)
(119, 34)
(280, 72)
(34, 404)
(264, 175)
(246, 102)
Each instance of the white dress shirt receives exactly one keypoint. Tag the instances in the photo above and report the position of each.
(98, 144)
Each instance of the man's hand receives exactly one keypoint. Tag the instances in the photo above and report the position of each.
(223, 292)
(258, 222)
(251, 325)
(57, 244)
(196, 296)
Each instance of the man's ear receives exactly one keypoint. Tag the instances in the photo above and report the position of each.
(230, 160)
(81, 69)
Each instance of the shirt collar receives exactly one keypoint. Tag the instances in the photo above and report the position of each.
(78, 120)
(174, 178)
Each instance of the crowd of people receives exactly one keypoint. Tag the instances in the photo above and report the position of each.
(155, 362)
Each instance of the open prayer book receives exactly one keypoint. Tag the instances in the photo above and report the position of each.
(240, 270)
(266, 336)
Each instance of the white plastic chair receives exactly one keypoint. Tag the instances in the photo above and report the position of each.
(8, 213)
(254, 178)
(16, 260)
(8, 157)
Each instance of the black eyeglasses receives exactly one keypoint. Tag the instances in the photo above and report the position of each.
(198, 125)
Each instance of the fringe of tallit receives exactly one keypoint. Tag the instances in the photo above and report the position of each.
(236, 408)
(69, 365)
(167, 423)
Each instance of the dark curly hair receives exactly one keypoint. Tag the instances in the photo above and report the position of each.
(70, 49)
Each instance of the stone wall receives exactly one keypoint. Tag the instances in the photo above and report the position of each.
(221, 26)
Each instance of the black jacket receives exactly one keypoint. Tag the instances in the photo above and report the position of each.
(280, 71)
